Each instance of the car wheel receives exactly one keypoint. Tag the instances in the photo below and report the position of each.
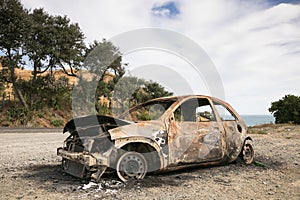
(131, 165)
(248, 152)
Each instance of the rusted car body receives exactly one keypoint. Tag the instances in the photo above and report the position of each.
(162, 134)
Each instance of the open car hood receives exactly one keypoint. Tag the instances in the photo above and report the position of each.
(93, 124)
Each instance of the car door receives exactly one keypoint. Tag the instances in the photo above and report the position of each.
(233, 128)
(194, 134)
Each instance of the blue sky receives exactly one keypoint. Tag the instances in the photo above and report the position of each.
(167, 9)
(255, 45)
(275, 2)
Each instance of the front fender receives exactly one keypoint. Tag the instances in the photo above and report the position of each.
(121, 142)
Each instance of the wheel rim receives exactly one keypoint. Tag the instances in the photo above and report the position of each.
(248, 153)
(131, 165)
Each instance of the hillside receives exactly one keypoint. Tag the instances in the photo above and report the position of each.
(27, 75)
(12, 115)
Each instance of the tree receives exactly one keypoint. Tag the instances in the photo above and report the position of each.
(124, 93)
(54, 42)
(13, 35)
(150, 90)
(48, 42)
(102, 60)
(130, 91)
(286, 110)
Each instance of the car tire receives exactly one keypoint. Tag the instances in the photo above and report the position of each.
(248, 152)
(131, 165)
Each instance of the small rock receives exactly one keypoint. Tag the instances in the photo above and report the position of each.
(89, 185)
(187, 185)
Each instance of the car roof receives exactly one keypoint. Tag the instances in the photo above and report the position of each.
(182, 97)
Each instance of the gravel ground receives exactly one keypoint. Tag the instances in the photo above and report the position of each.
(30, 169)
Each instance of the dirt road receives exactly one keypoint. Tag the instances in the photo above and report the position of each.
(30, 169)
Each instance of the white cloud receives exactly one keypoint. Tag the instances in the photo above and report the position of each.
(162, 12)
(255, 48)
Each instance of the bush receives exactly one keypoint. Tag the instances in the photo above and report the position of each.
(47, 91)
(57, 122)
(19, 115)
(286, 110)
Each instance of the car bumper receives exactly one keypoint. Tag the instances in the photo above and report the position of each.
(79, 163)
(85, 158)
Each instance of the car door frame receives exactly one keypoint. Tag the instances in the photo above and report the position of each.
(194, 153)
(234, 130)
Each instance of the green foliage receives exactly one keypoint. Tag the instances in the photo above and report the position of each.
(19, 115)
(259, 164)
(102, 110)
(40, 114)
(144, 116)
(14, 28)
(57, 122)
(54, 42)
(47, 43)
(130, 91)
(286, 110)
(103, 57)
(149, 91)
(103, 60)
(49, 92)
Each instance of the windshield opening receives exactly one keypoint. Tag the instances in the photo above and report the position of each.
(152, 110)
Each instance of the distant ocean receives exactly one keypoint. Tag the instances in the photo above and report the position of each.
(252, 120)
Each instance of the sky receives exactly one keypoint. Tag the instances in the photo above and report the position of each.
(254, 45)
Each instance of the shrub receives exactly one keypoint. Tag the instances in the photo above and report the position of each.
(19, 115)
(286, 110)
(57, 122)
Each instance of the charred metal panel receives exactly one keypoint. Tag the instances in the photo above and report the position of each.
(74, 168)
(195, 142)
(233, 138)
(147, 129)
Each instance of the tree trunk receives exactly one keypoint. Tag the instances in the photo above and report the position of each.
(20, 96)
(13, 81)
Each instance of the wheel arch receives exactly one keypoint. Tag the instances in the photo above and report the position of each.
(149, 148)
(247, 138)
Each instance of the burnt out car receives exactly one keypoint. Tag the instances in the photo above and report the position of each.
(161, 134)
